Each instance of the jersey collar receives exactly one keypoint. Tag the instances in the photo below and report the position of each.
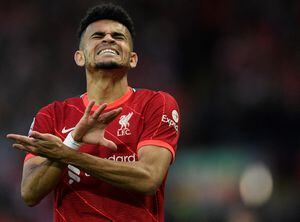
(111, 105)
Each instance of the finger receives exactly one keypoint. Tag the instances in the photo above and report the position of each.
(44, 136)
(19, 147)
(89, 108)
(20, 138)
(110, 116)
(23, 147)
(36, 135)
(40, 136)
(99, 110)
(109, 144)
(12, 136)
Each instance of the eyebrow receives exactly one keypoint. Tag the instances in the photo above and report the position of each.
(113, 34)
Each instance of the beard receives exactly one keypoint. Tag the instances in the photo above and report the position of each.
(108, 65)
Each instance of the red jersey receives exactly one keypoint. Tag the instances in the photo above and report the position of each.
(147, 118)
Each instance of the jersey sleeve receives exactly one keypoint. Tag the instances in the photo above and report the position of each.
(43, 123)
(161, 123)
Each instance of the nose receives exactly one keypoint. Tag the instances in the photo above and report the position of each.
(108, 38)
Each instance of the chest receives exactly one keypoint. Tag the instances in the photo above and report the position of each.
(125, 131)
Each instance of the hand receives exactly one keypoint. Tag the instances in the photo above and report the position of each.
(45, 145)
(91, 127)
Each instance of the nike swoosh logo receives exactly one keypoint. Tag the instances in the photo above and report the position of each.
(64, 130)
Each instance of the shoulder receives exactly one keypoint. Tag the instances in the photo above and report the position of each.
(152, 96)
(152, 103)
(61, 105)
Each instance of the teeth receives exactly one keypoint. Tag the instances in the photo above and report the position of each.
(108, 51)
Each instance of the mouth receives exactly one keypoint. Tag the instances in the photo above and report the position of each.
(112, 52)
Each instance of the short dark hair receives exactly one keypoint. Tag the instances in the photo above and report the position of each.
(106, 11)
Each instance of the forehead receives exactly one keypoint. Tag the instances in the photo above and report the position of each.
(106, 26)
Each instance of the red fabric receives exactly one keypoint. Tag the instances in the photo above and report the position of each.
(157, 143)
(147, 118)
(112, 105)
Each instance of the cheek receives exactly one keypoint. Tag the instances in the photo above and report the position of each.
(90, 50)
(127, 57)
(126, 53)
(89, 55)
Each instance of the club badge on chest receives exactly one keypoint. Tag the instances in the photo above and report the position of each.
(124, 129)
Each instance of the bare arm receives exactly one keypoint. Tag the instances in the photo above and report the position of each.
(144, 175)
(40, 176)
(42, 173)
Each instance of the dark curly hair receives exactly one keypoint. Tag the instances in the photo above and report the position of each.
(106, 11)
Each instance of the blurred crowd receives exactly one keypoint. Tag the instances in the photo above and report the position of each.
(232, 65)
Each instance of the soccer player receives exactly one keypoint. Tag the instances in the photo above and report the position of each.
(105, 153)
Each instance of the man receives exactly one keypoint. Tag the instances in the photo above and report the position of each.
(106, 153)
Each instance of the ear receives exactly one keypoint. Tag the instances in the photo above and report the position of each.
(79, 58)
(133, 60)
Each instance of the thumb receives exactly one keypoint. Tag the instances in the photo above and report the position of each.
(109, 144)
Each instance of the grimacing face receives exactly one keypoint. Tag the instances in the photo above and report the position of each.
(106, 44)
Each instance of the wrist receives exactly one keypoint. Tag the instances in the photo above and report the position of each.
(76, 138)
(71, 143)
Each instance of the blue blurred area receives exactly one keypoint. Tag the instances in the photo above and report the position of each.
(232, 65)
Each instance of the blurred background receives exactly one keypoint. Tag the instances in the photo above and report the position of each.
(232, 65)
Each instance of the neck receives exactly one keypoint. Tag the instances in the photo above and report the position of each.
(106, 86)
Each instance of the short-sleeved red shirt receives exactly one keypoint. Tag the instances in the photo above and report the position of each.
(147, 118)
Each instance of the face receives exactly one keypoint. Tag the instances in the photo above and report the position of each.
(106, 44)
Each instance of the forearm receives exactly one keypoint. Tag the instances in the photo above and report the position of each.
(39, 179)
(129, 175)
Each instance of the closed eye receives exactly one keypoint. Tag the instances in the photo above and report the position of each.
(98, 35)
(114, 35)
(118, 35)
